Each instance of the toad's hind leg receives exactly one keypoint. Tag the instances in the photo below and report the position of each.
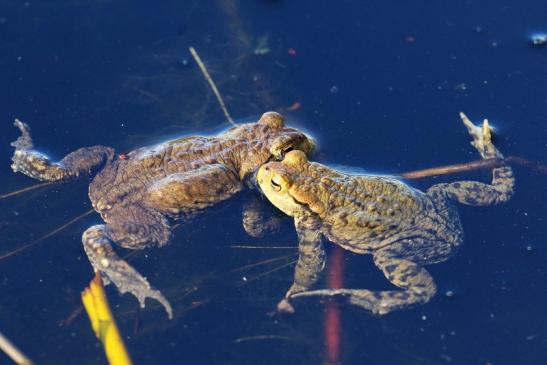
(473, 192)
(417, 284)
(98, 241)
(36, 165)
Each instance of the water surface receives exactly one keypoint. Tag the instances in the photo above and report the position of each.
(379, 85)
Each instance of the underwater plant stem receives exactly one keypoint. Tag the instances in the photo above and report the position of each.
(13, 352)
(212, 85)
(332, 322)
(103, 323)
(46, 236)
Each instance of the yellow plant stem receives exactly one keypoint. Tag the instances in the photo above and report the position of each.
(103, 324)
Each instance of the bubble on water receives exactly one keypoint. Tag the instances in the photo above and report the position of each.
(449, 293)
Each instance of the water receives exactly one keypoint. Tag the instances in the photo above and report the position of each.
(380, 86)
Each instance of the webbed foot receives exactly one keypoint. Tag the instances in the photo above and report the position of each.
(482, 137)
(25, 159)
(285, 307)
(260, 219)
(115, 270)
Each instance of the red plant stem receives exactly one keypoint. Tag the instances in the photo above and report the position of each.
(332, 330)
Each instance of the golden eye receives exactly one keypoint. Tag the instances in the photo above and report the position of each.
(275, 186)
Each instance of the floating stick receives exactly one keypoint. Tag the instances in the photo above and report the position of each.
(531, 165)
(13, 352)
(28, 188)
(486, 164)
(103, 323)
(212, 85)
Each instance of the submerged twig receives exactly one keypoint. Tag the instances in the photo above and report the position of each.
(535, 166)
(72, 316)
(48, 235)
(212, 85)
(23, 190)
(13, 352)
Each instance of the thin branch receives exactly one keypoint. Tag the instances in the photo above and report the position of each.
(535, 166)
(489, 163)
(486, 164)
(212, 85)
(13, 352)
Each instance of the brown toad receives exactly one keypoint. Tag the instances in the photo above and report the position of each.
(139, 193)
(401, 227)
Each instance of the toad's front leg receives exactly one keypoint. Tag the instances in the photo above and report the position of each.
(38, 166)
(311, 260)
(260, 219)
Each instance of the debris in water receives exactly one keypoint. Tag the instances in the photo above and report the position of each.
(539, 39)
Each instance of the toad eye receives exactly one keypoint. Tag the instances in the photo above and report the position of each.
(283, 151)
(287, 150)
(275, 185)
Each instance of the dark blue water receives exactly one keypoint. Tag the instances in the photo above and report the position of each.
(380, 86)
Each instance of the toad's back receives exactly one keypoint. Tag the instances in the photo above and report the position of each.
(366, 213)
(129, 178)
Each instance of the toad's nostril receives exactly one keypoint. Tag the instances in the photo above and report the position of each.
(267, 168)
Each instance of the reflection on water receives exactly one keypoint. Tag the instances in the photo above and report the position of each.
(379, 85)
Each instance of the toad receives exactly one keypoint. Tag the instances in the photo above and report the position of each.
(140, 193)
(401, 227)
